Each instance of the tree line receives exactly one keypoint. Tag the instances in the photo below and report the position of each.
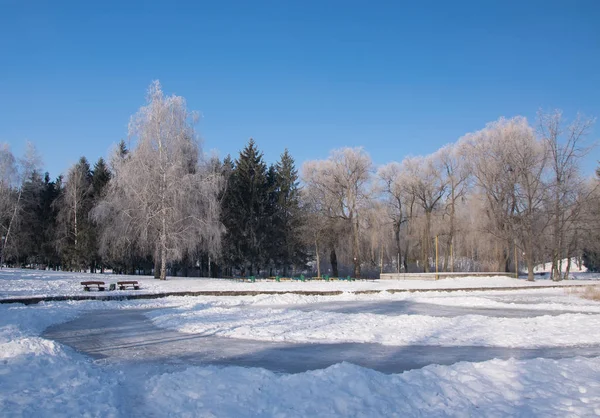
(506, 197)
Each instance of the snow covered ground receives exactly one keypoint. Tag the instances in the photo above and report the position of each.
(41, 377)
(29, 283)
(576, 266)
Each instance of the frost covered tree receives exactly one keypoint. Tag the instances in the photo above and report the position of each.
(344, 182)
(566, 147)
(428, 184)
(396, 197)
(17, 173)
(457, 170)
(163, 195)
(74, 206)
(508, 166)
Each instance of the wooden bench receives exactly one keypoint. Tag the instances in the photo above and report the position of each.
(128, 283)
(87, 286)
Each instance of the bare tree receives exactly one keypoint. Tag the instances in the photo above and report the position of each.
(428, 184)
(567, 148)
(343, 182)
(163, 193)
(397, 198)
(457, 171)
(528, 161)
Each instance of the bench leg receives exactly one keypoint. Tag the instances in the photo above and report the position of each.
(136, 287)
(101, 289)
(87, 289)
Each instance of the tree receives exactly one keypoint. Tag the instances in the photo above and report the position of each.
(428, 185)
(27, 165)
(249, 217)
(29, 229)
(163, 195)
(566, 147)
(457, 172)
(395, 191)
(75, 203)
(100, 178)
(343, 182)
(8, 178)
(289, 218)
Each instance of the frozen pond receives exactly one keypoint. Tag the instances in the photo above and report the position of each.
(394, 308)
(128, 336)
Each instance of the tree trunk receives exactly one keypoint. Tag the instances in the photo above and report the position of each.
(426, 241)
(157, 264)
(334, 264)
(163, 254)
(356, 248)
(318, 258)
(398, 246)
(530, 266)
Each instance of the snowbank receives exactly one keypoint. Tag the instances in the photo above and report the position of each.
(329, 327)
(494, 388)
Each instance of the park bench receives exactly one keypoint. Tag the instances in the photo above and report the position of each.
(87, 286)
(128, 283)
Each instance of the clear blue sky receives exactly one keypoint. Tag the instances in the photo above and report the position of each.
(397, 78)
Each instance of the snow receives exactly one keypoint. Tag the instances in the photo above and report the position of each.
(16, 283)
(290, 325)
(576, 267)
(41, 377)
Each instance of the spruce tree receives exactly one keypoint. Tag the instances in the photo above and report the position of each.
(51, 192)
(288, 217)
(99, 181)
(246, 203)
(29, 226)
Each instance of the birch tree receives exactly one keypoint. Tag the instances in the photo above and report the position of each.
(8, 176)
(19, 174)
(163, 194)
(74, 206)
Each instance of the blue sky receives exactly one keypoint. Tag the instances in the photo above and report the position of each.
(398, 78)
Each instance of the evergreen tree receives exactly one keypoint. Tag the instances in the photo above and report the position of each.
(230, 249)
(29, 227)
(50, 194)
(289, 218)
(247, 215)
(99, 180)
